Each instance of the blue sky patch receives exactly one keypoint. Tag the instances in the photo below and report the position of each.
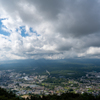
(23, 31)
(1, 30)
(32, 31)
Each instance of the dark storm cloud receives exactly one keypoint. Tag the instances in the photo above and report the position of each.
(91, 41)
(80, 17)
(48, 8)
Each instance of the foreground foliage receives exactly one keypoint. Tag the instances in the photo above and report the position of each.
(4, 95)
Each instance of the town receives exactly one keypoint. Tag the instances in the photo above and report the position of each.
(23, 84)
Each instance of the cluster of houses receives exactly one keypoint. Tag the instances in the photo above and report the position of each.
(22, 84)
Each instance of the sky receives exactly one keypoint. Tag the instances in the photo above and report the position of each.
(49, 29)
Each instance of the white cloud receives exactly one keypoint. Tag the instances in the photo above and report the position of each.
(93, 50)
(62, 29)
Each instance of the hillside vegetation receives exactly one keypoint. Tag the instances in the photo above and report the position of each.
(4, 95)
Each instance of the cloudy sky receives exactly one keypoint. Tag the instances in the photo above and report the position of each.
(50, 29)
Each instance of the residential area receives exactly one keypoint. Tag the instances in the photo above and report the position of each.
(23, 84)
